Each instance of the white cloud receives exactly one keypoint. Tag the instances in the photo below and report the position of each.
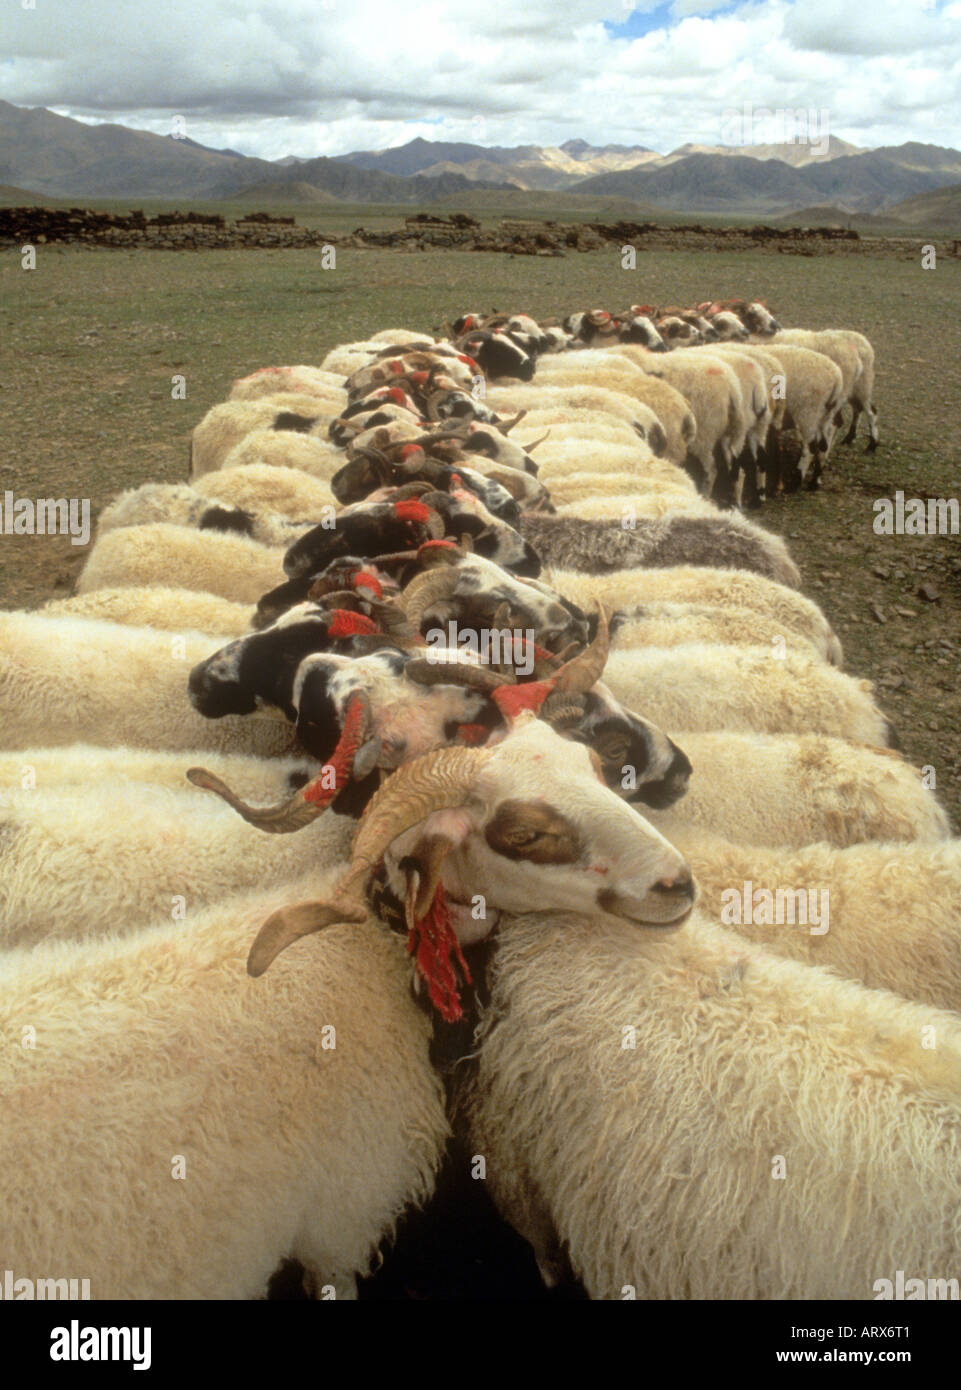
(326, 76)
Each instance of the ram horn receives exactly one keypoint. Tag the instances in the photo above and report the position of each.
(505, 426)
(426, 670)
(426, 589)
(313, 799)
(585, 670)
(438, 781)
(529, 448)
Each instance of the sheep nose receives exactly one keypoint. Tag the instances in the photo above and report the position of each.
(660, 347)
(680, 886)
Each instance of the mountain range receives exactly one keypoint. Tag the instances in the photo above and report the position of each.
(57, 157)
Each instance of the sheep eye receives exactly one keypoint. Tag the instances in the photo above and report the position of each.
(525, 837)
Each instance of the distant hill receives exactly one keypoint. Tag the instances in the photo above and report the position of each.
(60, 158)
(869, 182)
(284, 191)
(20, 197)
(942, 208)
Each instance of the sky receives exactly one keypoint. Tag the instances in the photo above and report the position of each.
(324, 77)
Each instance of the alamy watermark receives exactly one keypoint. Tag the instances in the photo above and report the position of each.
(22, 1289)
(46, 516)
(918, 516)
(764, 907)
(784, 125)
(496, 646)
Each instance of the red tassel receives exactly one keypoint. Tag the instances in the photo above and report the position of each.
(432, 942)
(342, 760)
(512, 700)
(345, 623)
(472, 733)
(449, 545)
(364, 580)
(411, 510)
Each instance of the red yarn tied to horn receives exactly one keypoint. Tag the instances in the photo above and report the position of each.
(432, 942)
(342, 759)
(436, 545)
(363, 580)
(344, 623)
(411, 510)
(513, 700)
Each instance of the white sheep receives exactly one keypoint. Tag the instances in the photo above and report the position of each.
(659, 624)
(225, 425)
(694, 1118)
(171, 610)
(888, 915)
(68, 680)
(345, 358)
(706, 686)
(77, 862)
(600, 368)
(198, 1126)
(652, 494)
(814, 393)
(234, 567)
(585, 408)
(858, 375)
(628, 588)
(82, 764)
(260, 487)
(311, 454)
(712, 389)
(301, 380)
(790, 790)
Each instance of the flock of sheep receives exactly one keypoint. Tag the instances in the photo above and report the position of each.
(575, 704)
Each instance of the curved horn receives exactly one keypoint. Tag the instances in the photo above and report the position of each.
(313, 799)
(585, 670)
(438, 781)
(529, 448)
(425, 671)
(425, 589)
(505, 426)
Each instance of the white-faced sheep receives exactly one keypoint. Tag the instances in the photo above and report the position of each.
(627, 588)
(803, 788)
(171, 610)
(705, 686)
(234, 567)
(262, 1096)
(68, 680)
(888, 915)
(637, 1100)
(140, 851)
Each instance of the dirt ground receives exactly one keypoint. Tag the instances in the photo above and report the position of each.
(92, 339)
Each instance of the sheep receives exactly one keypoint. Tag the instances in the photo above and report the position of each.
(838, 344)
(171, 610)
(670, 624)
(399, 337)
(628, 588)
(234, 567)
(140, 851)
(756, 394)
(65, 680)
(705, 686)
(597, 545)
(814, 393)
(581, 370)
(588, 406)
(636, 1101)
(803, 788)
(286, 450)
(893, 911)
(225, 425)
(712, 389)
(301, 1111)
(258, 487)
(84, 764)
(181, 505)
(646, 493)
(345, 358)
(304, 381)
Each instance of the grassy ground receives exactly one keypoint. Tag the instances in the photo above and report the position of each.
(92, 339)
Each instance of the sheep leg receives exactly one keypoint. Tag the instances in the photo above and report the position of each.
(856, 409)
(872, 414)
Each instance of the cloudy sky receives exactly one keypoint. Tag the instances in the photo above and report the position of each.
(310, 77)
